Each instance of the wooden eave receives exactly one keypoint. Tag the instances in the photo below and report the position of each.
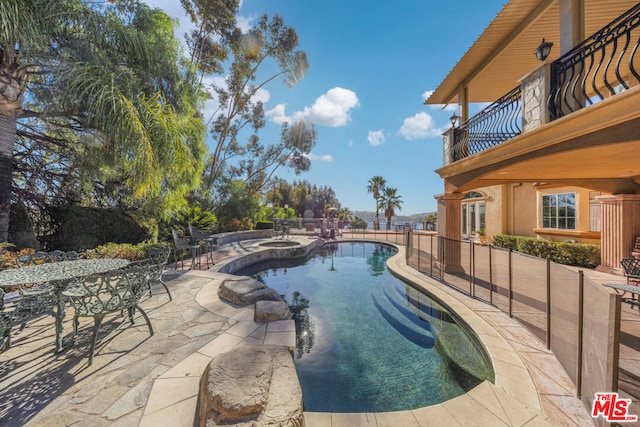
(504, 52)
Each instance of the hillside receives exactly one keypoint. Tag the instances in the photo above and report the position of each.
(414, 218)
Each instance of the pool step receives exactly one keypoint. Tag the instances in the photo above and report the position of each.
(394, 309)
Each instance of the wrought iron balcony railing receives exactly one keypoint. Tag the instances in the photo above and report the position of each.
(497, 123)
(604, 64)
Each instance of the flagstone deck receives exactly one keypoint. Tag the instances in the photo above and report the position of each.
(140, 380)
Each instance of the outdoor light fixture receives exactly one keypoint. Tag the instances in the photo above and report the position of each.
(454, 118)
(543, 50)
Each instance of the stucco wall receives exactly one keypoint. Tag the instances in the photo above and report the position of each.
(516, 209)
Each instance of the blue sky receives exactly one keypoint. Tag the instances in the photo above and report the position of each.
(371, 64)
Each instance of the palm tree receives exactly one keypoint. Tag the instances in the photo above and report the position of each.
(376, 186)
(390, 201)
(345, 215)
(84, 59)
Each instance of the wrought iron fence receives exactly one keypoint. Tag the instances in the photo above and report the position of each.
(494, 125)
(601, 66)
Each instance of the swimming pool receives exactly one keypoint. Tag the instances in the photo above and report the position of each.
(367, 341)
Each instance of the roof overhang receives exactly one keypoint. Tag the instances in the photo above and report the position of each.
(504, 52)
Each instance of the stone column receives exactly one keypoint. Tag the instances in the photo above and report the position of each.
(447, 147)
(535, 92)
(449, 227)
(620, 226)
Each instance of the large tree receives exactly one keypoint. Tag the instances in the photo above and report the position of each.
(376, 186)
(92, 84)
(238, 152)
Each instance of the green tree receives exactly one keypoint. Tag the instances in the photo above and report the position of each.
(240, 113)
(94, 92)
(376, 186)
(236, 201)
(390, 202)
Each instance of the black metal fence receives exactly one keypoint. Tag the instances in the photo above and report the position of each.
(494, 125)
(604, 64)
(575, 317)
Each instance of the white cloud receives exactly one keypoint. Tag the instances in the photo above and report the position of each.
(211, 105)
(427, 94)
(376, 137)
(448, 107)
(261, 95)
(331, 109)
(277, 114)
(350, 143)
(245, 22)
(323, 158)
(419, 126)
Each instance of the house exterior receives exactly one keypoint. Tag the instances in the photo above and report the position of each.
(556, 153)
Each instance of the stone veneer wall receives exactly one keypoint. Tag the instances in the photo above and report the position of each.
(238, 236)
(268, 254)
(535, 90)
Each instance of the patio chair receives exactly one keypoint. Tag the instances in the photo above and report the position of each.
(56, 256)
(111, 292)
(36, 299)
(41, 257)
(158, 258)
(631, 267)
(205, 237)
(71, 256)
(185, 242)
(5, 325)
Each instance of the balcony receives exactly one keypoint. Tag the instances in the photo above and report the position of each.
(604, 65)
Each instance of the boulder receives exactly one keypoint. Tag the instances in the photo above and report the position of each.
(269, 311)
(251, 386)
(235, 289)
(266, 294)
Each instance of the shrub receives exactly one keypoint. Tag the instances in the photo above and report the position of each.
(505, 241)
(358, 223)
(120, 250)
(78, 228)
(577, 254)
(264, 225)
(234, 225)
(201, 219)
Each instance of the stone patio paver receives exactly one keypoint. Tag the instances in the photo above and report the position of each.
(150, 381)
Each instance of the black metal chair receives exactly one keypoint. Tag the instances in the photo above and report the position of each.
(5, 324)
(205, 237)
(36, 299)
(111, 292)
(158, 258)
(186, 243)
(631, 267)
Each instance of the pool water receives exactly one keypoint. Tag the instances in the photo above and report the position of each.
(367, 341)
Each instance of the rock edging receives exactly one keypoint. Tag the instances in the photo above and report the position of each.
(251, 386)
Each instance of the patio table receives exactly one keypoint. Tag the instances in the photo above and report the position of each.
(59, 275)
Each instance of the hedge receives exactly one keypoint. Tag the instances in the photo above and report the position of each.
(576, 254)
(264, 225)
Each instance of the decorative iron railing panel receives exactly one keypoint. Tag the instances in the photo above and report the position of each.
(494, 125)
(604, 64)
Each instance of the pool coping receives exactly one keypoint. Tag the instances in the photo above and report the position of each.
(514, 399)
